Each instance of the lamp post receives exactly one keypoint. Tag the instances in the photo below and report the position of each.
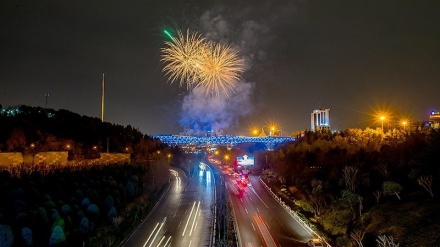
(404, 123)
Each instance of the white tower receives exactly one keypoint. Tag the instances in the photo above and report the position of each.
(320, 120)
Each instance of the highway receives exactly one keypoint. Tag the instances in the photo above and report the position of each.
(261, 220)
(183, 217)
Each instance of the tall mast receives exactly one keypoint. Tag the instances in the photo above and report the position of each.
(102, 98)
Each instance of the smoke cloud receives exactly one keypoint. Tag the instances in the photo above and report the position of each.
(199, 113)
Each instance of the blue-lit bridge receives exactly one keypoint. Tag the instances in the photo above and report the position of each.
(226, 140)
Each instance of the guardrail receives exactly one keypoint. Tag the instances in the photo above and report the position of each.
(294, 214)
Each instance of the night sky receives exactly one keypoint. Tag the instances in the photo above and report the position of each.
(354, 57)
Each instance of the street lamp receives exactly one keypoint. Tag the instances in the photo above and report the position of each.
(226, 159)
(382, 118)
(404, 123)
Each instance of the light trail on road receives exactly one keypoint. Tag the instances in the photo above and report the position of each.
(155, 233)
(189, 218)
(195, 217)
(262, 226)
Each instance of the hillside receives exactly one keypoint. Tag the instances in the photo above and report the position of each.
(360, 185)
(34, 129)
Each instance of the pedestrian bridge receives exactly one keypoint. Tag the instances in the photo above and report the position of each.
(226, 140)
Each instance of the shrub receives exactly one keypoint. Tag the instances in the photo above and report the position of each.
(130, 190)
(112, 213)
(80, 214)
(66, 209)
(109, 202)
(50, 204)
(343, 241)
(41, 216)
(79, 194)
(26, 236)
(84, 225)
(57, 236)
(59, 222)
(85, 202)
(54, 215)
(6, 236)
(93, 210)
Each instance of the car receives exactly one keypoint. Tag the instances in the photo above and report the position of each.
(315, 242)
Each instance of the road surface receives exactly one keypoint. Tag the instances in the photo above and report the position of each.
(261, 220)
(183, 217)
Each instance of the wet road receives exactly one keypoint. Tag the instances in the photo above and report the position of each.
(183, 217)
(261, 220)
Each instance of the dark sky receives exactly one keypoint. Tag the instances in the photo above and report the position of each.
(354, 57)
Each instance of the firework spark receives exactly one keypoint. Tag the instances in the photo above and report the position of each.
(182, 56)
(220, 69)
(193, 61)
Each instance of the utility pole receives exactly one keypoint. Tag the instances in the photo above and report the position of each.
(102, 98)
(47, 96)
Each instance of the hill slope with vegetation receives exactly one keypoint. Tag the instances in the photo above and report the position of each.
(359, 185)
(76, 204)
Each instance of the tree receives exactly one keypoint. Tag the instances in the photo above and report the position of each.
(16, 141)
(390, 188)
(316, 197)
(358, 235)
(385, 241)
(350, 174)
(350, 199)
(426, 182)
(377, 194)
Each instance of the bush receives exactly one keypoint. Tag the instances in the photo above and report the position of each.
(26, 236)
(54, 215)
(85, 202)
(343, 241)
(57, 236)
(130, 190)
(66, 210)
(59, 222)
(304, 205)
(336, 220)
(41, 216)
(112, 213)
(93, 210)
(6, 236)
(84, 225)
(50, 204)
(109, 202)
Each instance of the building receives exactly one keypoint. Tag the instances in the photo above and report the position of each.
(320, 120)
(434, 120)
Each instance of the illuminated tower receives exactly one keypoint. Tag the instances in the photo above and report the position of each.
(102, 98)
(320, 120)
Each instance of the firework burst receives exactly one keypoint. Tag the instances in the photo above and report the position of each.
(182, 56)
(220, 69)
(193, 61)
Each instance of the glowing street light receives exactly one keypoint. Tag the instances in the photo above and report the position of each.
(404, 123)
(226, 157)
